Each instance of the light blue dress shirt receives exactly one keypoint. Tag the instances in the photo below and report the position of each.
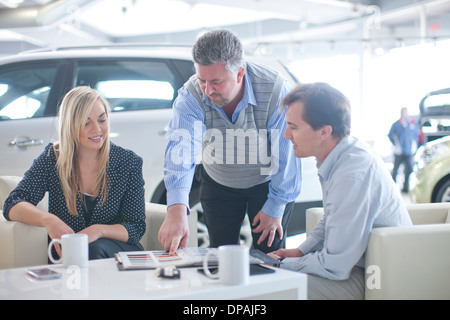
(185, 133)
(358, 196)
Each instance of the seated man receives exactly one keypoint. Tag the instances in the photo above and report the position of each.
(358, 193)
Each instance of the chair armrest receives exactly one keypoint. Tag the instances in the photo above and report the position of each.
(313, 217)
(7, 184)
(154, 217)
(411, 262)
(22, 245)
(428, 213)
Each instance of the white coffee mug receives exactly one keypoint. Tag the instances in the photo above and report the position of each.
(74, 248)
(234, 267)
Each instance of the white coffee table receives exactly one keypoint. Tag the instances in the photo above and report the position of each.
(102, 280)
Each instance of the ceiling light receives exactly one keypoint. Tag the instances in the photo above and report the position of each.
(15, 1)
(11, 3)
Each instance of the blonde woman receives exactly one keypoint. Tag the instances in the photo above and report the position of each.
(94, 186)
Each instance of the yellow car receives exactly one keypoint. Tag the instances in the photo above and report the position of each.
(430, 181)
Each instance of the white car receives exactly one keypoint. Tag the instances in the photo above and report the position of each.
(140, 83)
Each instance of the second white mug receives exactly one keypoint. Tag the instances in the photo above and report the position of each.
(74, 248)
(234, 267)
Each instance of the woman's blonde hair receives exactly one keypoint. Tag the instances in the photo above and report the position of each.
(74, 111)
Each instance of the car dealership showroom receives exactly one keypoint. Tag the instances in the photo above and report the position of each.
(321, 127)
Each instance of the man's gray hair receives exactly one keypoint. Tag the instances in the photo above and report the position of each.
(219, 46)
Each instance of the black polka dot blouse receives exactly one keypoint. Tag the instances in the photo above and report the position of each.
(125, 204)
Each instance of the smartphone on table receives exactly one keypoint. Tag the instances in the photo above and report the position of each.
(43, 273)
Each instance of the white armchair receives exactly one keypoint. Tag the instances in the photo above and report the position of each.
(23, 245)
(407, 262)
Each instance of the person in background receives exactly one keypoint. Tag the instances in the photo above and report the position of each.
(94, 186)
(358, 194)
(404, 135)
(234, 105)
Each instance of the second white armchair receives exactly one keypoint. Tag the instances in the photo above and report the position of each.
(407, 262)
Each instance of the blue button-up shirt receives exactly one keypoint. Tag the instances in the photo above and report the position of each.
(358, 196)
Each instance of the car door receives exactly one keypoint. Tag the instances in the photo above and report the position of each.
(141, 93)
(27, 112)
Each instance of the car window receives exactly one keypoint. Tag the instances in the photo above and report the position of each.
(436, 101)
(130, 85)
(24, 90)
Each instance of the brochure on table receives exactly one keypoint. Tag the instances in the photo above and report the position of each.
(186, 257)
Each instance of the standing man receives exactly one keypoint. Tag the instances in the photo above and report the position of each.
(229, 111)
(404, 135)
(358, 194)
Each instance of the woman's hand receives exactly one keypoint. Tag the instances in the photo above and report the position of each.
(113, 231)
(93, 232)
(55, 229)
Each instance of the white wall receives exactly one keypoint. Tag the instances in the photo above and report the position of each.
(379, 85)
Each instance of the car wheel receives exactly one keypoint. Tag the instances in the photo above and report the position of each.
(443, 194)
(202, 230)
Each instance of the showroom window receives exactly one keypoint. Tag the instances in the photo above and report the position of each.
(129, 85)
(24, 90)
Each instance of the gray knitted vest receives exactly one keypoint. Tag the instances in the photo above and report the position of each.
(238, 155)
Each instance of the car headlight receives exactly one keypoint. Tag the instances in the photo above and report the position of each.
(427, 153)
